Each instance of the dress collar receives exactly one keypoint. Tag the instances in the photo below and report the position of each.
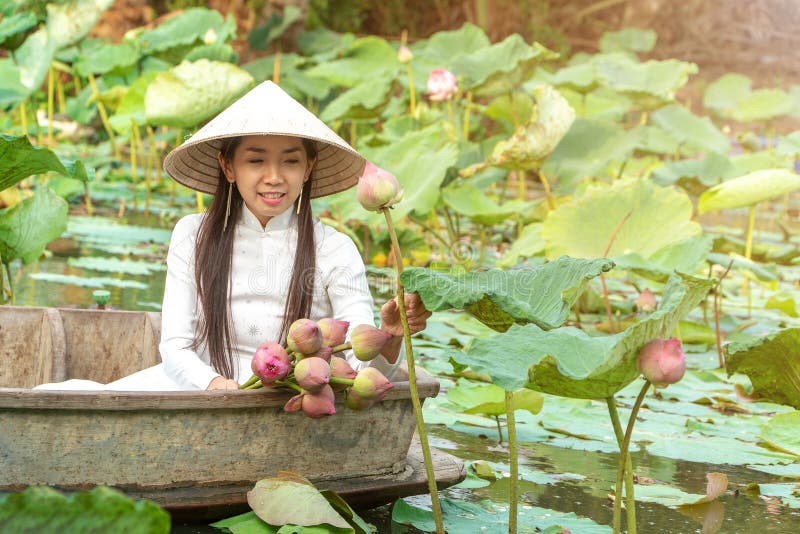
(279, 222)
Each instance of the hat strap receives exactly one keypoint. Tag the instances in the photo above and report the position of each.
(228, 207)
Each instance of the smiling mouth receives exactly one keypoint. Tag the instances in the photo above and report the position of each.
(272, 196)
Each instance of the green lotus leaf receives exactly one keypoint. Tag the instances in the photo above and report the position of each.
(192, 26)
(581, 77)
(104, 57)
(534, 141)
(762, 105)
(782, 431)
(19, 159)
(222, 52)
(784, 303)
(765, 273)
(749, 190)
(293, 80)
(131, 105)
(28, 226)
(528, 244)
(364, 101)
(34, 58)
(489, 399)
(789, 145)
(191, 93)
(69, 22)
(443, 49)
(509, 110)
(772, 364)
(698, 132)
(684, 256)
(11, 89)
(709, 171)
(568, 362)
(787, 492)
(724, 94)
(365, 60)
(261, 36)
(651, 84)
(542, 295)
(628, 40)
(293, 501)
(471, 202)
(16, 24)
(500, 68)
(657, 217)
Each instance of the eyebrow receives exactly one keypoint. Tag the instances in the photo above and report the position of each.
(264, 151)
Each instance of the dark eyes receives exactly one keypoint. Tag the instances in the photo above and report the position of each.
(288, 161)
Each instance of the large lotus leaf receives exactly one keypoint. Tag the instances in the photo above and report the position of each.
(27, 227)
(365, 60)
(323, 44)
(723, 95)
(528, 244)
(772, 362)
(19, 159)
(292, 500)
(710, 171)
(34, 57)
(364, 101)
(599, 103)
(442, 49)
(534, 141)
(542, 295)
(628, 40)
(683, 256)
(657, 216)
(762, 105)
(15, 24)
(586, 150)
(510, 110)
(699, 133)
(107, 57)
(782, 431)
(489, 399)
(749, 190)
(131, 105)
(500, 68)
(651, 84)
(789, 145)
(214, 52)
(570, 363)
(471, 202)
(581, 77)
(261, 36)
(11, 89)
(193, 25)
(292, 79)
(653, 140)
(191, 93)
(69, 22)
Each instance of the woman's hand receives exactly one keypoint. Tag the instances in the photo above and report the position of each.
(416, 312)
(221, 382)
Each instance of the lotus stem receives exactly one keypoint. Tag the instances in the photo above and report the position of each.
(609, 315)
(2, 281)
(623, 454)
(339, 348)
(23, 115)
(276, 69)
(103, 116)
(548, 195)
(521, 193)
(134, 176)
(630, 501)
(467, 109)
(288, 384)
(60, 94)
(50, 97)
(341, 380)
(87, 199)
(499, 430)
(482, 252)
(252, 380)
(748, 251)
(412, 380)
(513, 461)
(199, 201)
(717, 308)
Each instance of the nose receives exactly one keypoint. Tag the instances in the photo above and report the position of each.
(271, 173)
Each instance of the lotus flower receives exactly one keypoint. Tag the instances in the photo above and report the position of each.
(646, 301)
(662, 361)
(341, 369)
(356, 403)
(314, 405)
(312, 374)
(370, 384)
(368, 341)
(441, 85)
(377, 189)
(404, 54)
(304, 337)
(270, 362)
(333, 331)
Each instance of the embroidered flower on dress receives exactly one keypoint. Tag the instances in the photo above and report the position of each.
(253, 331)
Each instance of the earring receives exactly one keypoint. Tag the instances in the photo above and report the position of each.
(299, 201)
(228, 207)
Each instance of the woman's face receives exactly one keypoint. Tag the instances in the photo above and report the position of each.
(269, 172)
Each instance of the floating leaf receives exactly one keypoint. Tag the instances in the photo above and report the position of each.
(567, 362)
(670, 496)
(789, 494)
(81, 281)
(772, 364)
(489, 399)
(292, 501)
(116, 265)
(628, 40)
(782, 431)
(471, 202)
(583, 228)
(749, 190)
(542, 295)
(27, 227)
(191, 93)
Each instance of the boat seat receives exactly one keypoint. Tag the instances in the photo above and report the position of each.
(32, 346)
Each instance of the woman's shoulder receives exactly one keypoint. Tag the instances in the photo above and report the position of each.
(188, 224)
(330, 238)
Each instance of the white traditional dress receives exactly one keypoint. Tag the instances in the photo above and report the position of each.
(262, 265)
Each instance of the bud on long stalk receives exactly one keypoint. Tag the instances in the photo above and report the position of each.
(304, 336)
(662, 361)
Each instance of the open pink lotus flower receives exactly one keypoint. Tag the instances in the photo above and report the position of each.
(270, 362)
(441, 85)
(662, 361)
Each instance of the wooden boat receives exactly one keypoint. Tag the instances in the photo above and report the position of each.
(194, 453)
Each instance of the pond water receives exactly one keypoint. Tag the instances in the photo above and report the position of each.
(572, 474)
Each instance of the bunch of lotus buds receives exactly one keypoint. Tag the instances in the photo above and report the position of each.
(309, 364)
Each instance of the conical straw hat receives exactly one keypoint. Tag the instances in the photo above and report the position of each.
(265, 110)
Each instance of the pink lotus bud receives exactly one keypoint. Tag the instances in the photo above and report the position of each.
(368, 341)
(341, 369)
(662, 361)
(377, 189)
(646, 301)
(333, 331)
(441, 85)
(320, 404)
(312, 374)
(370, 384)
(323, 352)
(404, 54)
(304, 337)
(356, 403)
(270, 362)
